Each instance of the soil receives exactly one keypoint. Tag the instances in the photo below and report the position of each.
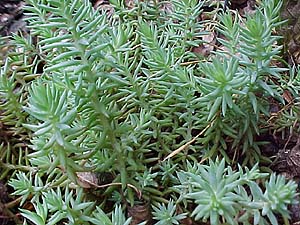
(11, 15)
(4, 218)
(285, 151)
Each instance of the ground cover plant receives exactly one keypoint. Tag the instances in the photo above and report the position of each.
(146, 112)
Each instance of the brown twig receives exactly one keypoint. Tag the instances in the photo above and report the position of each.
(187, 144)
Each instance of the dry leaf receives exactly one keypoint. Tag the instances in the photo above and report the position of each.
(250, 9)
(140, 213)
(87, 179)
(207, 46)
(287, 96)
(201, 50)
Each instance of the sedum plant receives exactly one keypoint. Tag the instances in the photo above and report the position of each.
(117, 92)
(220, 194)
(17, 71)
(99, 217)
(167, 215)
(285, 121)
(237, 87)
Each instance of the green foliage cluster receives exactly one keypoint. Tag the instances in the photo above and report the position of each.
(221, 192)
(167, 215)
(118, 92)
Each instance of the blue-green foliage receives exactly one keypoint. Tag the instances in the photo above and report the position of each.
(219, 192)
(118, 91)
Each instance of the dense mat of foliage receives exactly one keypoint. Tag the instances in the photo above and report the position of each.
(119, 109)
